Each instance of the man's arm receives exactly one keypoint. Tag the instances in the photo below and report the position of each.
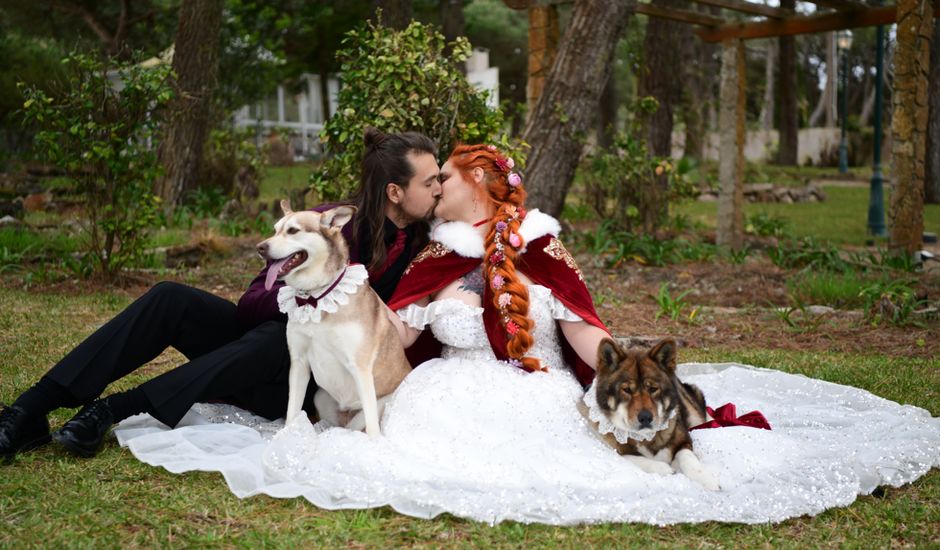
(257, 304)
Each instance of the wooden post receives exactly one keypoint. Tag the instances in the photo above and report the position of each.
(909, 124)
(543, 46)
(731, 149)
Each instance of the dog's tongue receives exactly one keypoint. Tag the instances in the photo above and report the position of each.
(273, 272)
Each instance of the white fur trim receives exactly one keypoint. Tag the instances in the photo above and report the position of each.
(461, 237)
(465, 240)
(538, 224)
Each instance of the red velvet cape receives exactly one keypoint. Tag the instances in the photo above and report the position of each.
(545, 262)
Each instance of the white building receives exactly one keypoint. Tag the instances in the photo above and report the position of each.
(302, 114)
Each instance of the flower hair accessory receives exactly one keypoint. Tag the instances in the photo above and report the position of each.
(497, 281)
(514, 180)
(505, 164)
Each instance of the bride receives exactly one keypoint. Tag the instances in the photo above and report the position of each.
(490, 429)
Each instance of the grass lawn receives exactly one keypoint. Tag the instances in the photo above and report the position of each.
(841, 219)
(50, 499)
(279, 180)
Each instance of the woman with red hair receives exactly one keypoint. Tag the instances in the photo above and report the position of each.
(489, 253)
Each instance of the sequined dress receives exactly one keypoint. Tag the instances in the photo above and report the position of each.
(480, 439)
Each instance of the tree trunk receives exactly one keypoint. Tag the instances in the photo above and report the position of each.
(788, 152)
(825, 107)
(567, 107)
(396, 14)
(731, 155)
(932, 167)
(868, 106)
(607, 115)
(452, 21)
(661, 49)
(195, 61)
(543, 47)
(909, 124)
(766, 118)
(325, 95)
(698, 96)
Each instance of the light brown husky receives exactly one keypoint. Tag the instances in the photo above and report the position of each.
(354, 352)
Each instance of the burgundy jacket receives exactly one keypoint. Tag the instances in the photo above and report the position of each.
(258, 305)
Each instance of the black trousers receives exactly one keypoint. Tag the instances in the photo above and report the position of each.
(226, 361)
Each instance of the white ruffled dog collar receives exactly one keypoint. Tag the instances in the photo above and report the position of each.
(605, 426)
(350, 282)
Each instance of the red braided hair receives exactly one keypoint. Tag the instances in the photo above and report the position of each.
(503, 189)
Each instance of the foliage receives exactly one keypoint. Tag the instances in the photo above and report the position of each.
(398, 81)
(232, 163)
(617, 246)
(503, 31)
(623, 182)
(766, 225)
(891, 301)
(672, 306)
(100, 137)
(808, 252)
(251, 59)
(839, 290)
(884, 259)
(25, 59)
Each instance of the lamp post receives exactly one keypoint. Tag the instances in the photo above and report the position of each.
(844, 42)
(876, 206)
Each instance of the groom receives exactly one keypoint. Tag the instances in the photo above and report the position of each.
(235, 353)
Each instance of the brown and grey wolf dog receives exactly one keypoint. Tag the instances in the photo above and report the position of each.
(639, 392)
(354, 353)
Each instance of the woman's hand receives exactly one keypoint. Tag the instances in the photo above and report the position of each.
(407, 334)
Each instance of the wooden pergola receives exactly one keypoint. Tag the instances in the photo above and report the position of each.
(730, 30)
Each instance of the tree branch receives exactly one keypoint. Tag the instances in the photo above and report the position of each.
(86, 16)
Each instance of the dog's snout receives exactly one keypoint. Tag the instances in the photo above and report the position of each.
(645, 418)
(263, 249)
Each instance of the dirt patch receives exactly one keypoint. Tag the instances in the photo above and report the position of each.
(748, 306)
(737, 306)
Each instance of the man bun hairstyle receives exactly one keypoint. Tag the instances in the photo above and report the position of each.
(384, 161)
(503, 188)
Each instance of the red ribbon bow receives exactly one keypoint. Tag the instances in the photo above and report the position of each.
(726, 415)
(312, 300)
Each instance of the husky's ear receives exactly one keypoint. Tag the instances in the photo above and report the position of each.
(609, 355)
(285, 207)
(337, 217)
(664, 353)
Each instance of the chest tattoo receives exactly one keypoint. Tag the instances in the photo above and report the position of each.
(473, 281)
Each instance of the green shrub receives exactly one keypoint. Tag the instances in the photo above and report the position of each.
(399, 81)
(624, 182)
(233, 163)
(99, 133)
(766, 225)
(891, 301)
(810, 253)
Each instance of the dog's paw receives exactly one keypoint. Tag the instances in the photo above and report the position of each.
(693, 469)
(706, 479)
(652, 466)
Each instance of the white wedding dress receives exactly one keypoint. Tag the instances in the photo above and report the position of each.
(480, 439)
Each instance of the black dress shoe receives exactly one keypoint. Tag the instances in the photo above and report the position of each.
(84, 433)
(20, 431)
